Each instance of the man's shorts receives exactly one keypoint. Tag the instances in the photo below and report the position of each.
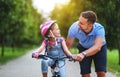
(99, 59)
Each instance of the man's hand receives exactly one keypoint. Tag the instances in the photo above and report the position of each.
(78, 57)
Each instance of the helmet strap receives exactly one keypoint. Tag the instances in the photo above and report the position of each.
(53, 36)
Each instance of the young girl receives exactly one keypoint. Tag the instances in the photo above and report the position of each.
(55, 46)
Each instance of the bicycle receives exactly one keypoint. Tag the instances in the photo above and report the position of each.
(55, 68)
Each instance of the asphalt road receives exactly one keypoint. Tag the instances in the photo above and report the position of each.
(26, 66)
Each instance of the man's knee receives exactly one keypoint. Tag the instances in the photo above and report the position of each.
(101, 74)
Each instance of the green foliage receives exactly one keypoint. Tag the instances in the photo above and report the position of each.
(19, 23)
(74, 51)
(5, 8)
(32, 21)
(64, 16)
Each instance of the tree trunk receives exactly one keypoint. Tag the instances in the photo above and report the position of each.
(12, 47)
(119, 55)
(2, 54)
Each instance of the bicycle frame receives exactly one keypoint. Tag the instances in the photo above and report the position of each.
(55, 68)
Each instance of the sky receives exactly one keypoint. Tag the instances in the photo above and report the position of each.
(46, 6)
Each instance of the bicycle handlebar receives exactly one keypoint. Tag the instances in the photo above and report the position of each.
(55, 58)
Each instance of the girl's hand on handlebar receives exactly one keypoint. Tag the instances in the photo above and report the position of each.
(78, 57)
(35, 55)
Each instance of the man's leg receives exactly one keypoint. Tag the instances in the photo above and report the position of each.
(100, 61)
(85, 64)
(85, 75)
(101, 74)
(85, 67)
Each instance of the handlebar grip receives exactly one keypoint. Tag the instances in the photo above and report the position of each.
(70, 58)
(43, 57)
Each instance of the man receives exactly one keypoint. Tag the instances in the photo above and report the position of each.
(92, 44)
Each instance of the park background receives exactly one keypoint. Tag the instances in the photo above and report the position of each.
(20, 21)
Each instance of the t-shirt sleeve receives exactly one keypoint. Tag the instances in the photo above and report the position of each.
(44, 42)
(100, 32)
(72, 31)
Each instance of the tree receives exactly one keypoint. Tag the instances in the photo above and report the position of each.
(32, 21)
(64, 16)
(5, 8)
(19, 22)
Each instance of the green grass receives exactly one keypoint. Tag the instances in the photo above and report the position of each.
(113, 62)
(9, 54)
(74, 51)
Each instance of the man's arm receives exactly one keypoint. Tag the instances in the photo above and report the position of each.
(93, 50)
(96, 47)
(69, 42)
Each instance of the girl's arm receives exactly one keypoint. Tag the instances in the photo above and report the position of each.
(41, 48)
(65, 48)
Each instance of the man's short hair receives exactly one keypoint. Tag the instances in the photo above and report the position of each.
(90, 15)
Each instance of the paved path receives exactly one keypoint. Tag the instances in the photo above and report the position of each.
(25, 66)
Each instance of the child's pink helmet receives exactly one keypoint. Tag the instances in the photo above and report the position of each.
(45, 26)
